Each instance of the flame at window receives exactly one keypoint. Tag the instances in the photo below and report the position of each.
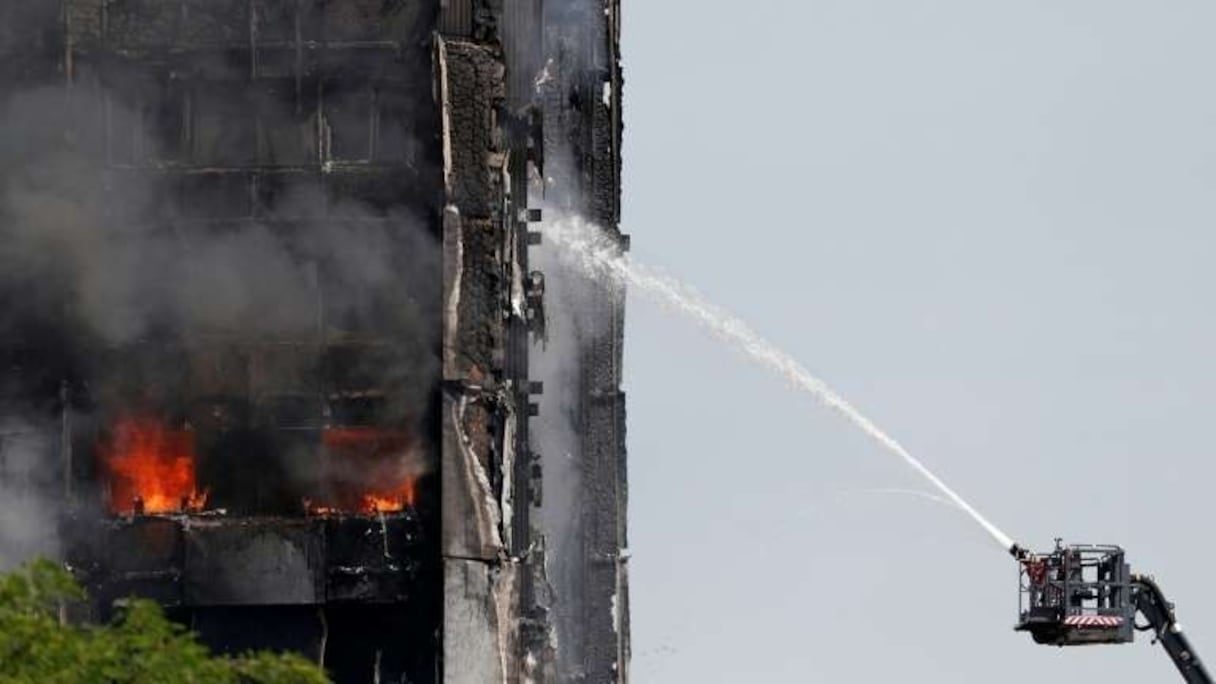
(386, 502)
(370, 470)
(150, 468)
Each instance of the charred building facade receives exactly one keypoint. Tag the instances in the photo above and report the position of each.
(277, 346)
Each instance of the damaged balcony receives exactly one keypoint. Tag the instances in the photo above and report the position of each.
(204, 560)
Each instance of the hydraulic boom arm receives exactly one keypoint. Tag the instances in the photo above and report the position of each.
(1151, 603)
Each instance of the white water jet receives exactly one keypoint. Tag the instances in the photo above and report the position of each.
(599, 256)
(895, 491)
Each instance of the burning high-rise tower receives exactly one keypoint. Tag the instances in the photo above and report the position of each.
(269, 320)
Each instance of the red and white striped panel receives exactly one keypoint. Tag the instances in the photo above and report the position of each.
(1093, 621)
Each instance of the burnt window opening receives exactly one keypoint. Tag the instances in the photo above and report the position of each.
(223, 132)
(397, 133)
(137, 23)
(123, 133)
(168, 121)
(326, 407)
(277, 22)
(213, 22)
(365, 20)
(351, 121)
(283, 432)
(371, 123)
(147, 121)
(287, 134)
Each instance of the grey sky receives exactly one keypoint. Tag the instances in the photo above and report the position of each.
(989, 225)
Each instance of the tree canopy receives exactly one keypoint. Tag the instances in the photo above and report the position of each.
(141, 646)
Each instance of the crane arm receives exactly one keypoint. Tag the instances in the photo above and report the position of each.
(1159, 612)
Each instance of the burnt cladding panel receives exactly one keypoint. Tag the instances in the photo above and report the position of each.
(274, 562)
(144, 546)
(373, 559)
(141, 557)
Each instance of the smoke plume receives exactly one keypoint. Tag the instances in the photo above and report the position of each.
(117, 264)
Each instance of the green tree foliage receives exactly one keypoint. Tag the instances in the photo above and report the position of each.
(141, 647)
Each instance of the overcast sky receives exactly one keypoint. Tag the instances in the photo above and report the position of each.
(988, 223)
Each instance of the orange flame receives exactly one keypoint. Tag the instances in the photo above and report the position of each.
(390, 502)
(376, 455)
(151, 468)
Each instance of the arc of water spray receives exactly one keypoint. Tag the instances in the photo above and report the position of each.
(895, 491)
(600, 256)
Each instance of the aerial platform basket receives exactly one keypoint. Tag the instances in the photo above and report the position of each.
(1077, 595)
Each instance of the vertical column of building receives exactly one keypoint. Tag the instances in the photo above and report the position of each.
(483, 407)
(603, 404)
(520, 28)
(578, 93)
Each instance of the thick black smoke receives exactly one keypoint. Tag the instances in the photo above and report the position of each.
(113, 277)
(130, 263)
